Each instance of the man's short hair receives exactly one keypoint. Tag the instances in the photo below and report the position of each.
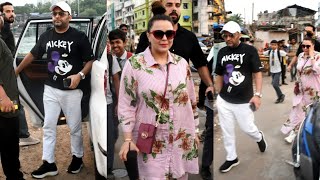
(310, 25)
(123, 25)
(274, 41)
(4, 4)
(117, 34)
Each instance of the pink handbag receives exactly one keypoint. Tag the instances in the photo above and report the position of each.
(147, 132)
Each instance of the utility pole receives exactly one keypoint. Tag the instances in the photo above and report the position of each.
(78, 9)
(252, 11)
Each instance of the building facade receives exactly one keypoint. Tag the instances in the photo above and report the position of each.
(203, 18)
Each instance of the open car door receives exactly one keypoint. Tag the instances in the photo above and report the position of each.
(31, 79)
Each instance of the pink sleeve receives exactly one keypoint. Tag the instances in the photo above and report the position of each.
(192, 95)
(127, 103)
(316, 65)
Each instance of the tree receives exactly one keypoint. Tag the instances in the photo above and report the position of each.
(236, 18)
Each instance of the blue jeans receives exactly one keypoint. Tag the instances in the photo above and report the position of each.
(112, 133)
(23, 130)
(275, 83)
(207, 156)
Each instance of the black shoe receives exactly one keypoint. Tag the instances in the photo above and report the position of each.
(284, 83)
(277, 101)
(262, 144)
(226, 166)
(205, 173)
(281, 99)
(76, 165)
(46, 169)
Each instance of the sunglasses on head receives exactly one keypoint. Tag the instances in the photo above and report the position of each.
(305, 46)
(158, 34)
(227, 35)
(61, 13)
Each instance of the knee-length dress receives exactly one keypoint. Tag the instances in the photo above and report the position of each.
(309, 87)
(143, 80)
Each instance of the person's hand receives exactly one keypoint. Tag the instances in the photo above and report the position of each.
(311, 51)
(289, 68)
(197, 139)
(210, 88)
(125, 148)
(256, 100)
(75, 80)
(7, 105)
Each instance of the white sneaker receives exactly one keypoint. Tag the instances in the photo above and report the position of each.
(289, 139)
(28, 141)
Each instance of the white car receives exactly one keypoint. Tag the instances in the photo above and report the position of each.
(31, 82)
(204, 48)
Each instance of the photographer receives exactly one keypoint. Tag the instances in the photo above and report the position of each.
(309, 31)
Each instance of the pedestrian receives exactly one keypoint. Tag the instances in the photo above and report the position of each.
(283, 61)
(129, 41)
(309, 31)
(185, 43)
(237, 63)
(293, 47)
(156, 90)
(9, 123)
(67, 68)
(6, 34)
(307, 87)
(275, 56)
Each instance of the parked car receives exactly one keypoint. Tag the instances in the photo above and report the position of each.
(31, 81)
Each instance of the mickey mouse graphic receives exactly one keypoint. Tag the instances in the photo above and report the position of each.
(58, 65)
(236, 77)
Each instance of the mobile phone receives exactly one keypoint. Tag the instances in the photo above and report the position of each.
(210, 96)
(66, 82)
(252, 106)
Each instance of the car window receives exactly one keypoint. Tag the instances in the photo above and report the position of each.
(201, 44)
(100, 34)
(34, 30)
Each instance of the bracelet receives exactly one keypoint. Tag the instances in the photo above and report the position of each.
(127, 140)
(210, 85)
(197, 130)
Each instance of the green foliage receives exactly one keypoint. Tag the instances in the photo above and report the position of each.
(237, 18)
(86, 8)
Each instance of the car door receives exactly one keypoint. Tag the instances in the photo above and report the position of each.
(31, 79)
(98, 102)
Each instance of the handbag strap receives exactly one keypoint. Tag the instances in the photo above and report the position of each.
(164, 96)
(304, 65)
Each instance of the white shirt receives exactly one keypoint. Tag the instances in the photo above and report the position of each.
(275, 67)
(115, 69)
(123, 59)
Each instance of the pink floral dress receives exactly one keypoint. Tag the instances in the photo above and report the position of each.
(174, 152)
(309, 87)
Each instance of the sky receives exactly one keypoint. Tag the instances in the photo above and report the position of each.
(245, 6)
(20, 2)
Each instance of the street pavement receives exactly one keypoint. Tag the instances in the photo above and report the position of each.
(255, 165)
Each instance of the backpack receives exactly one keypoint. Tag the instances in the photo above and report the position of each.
(305, 149)
(278, 53)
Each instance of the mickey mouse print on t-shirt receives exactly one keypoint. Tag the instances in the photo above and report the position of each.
(59, 65)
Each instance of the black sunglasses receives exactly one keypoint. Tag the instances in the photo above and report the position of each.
(158, 34)
(305, 46)
(61, 13)
(224, 36)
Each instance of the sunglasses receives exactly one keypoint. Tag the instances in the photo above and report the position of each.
(61, 13)
(158, 34)
(305, 46)
(225, 36)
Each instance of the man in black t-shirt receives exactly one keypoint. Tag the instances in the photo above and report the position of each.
(70, 57)
(309, 31)
(236, 64)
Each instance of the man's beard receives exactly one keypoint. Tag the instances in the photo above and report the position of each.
(175, 20)
(9, 20)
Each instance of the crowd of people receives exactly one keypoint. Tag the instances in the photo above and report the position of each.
(151, 93)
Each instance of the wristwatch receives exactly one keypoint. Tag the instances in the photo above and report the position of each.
(258, 94)
(82, 75)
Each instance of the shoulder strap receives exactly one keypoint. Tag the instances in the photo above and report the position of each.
(280, 58)
(129, 54)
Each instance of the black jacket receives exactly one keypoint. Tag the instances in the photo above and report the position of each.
(8, 37)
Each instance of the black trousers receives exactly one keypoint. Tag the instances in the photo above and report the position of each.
(207, 156)
(9, 148)
(283, 72)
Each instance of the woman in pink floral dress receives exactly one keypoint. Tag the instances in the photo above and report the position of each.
(175, 150)
(306, 89)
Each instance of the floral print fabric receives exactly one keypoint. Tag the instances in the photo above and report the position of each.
(174, 152)
(309, 87)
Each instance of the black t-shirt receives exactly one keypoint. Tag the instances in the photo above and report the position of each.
(8, 37)
(185, 44)
(236, 65)
(66, 54)
(316, 47)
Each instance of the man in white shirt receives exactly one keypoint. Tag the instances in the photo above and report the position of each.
(275, 68)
